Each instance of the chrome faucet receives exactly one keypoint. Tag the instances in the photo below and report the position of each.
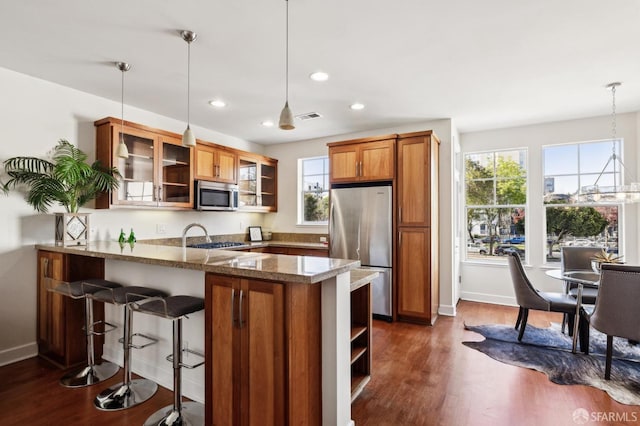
(191, 225)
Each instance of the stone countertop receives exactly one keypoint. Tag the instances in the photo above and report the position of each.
(360, 277)
(264, 266)
(293, 244)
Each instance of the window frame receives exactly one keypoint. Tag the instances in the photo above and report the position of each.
(499, 260)
(301, 190)
(618, 176)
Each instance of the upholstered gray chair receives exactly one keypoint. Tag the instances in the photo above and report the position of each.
(528, 297)
(579, 259)
(616, 310)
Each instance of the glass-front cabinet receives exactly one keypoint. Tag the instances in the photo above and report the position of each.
(157, 173)
(257, 181)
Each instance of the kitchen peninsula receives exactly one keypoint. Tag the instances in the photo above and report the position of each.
(278, 354)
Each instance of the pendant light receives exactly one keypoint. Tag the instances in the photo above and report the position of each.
(619, 192)
(122, 152)
(188, 139)
(286, 118)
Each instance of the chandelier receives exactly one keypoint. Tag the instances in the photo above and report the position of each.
(619, 192)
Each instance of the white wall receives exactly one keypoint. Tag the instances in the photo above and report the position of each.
(492, 283)
(288, 155)
(36, 114)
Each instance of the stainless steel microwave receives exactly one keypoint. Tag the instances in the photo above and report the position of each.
(215, 196)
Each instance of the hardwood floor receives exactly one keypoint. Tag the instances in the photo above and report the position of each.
(421, 376)
(425, 376)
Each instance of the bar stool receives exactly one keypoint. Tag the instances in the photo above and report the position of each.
(129, 392)
(175, 308)
(91, 373)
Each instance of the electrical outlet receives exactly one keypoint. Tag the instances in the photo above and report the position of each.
(161, 228)
(323, 239)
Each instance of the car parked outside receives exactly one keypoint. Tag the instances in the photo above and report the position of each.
(515, 240)
(503, 250)
(477, 248)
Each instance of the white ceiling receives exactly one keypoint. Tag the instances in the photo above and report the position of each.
(486, 64)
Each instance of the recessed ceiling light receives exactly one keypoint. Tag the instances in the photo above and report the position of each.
(218, 103)
(319, 76)
(357, 106)
(267, 123)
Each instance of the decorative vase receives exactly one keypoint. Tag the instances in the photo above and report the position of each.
(72, 229)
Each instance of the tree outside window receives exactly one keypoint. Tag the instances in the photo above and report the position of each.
(495, 198)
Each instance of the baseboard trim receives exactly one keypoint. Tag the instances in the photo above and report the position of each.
(19, 353)
(488, 298)
(447, 310)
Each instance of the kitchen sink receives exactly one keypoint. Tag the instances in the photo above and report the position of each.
(217, 245)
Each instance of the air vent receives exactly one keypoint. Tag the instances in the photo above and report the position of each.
(308, 116)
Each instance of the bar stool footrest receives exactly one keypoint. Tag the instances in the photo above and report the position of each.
(151, 341)
(106, 328)
(189, 366)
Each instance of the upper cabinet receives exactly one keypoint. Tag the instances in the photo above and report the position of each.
(215, 164)
(417, 179)
(362, 160)
(258, 183)
(158, 172)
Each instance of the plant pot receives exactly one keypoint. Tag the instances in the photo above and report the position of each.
(72, 229)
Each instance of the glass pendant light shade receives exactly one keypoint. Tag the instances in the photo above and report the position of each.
(286, 118)
(188, 139)
(122, 151)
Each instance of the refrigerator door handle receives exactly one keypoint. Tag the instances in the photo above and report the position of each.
(358, 248)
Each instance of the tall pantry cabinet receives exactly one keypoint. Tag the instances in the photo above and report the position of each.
(417, 293)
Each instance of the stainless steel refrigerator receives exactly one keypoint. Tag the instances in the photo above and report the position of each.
(360, 228)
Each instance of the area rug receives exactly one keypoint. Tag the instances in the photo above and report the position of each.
(549, 351)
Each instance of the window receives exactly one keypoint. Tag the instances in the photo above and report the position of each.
(572, 218)
(495, 203)
(313, 202)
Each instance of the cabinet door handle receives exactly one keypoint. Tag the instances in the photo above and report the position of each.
(399, 238)
(240, 303)
(400, 214)
(233, 307)
(45, 267)
(361, 173)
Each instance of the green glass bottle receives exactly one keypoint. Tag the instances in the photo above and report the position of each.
(122, 238)
(132, 237)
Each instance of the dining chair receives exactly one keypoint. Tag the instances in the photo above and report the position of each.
(528, 297)
(616, 310)
(579, 259)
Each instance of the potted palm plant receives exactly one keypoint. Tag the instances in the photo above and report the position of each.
(66, 179)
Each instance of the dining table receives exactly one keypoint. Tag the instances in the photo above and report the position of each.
(581, 278)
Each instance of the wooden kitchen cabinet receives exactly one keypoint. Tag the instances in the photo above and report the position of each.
(417, 179)
(361, 339)
(60, 336)
(362, 160)
(216, 164)
(417, 289)
(158, 172)
(262, 336)
(258, 183)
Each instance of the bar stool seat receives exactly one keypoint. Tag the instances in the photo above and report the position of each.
(175, 308)
(91, 373)
(127, 393)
